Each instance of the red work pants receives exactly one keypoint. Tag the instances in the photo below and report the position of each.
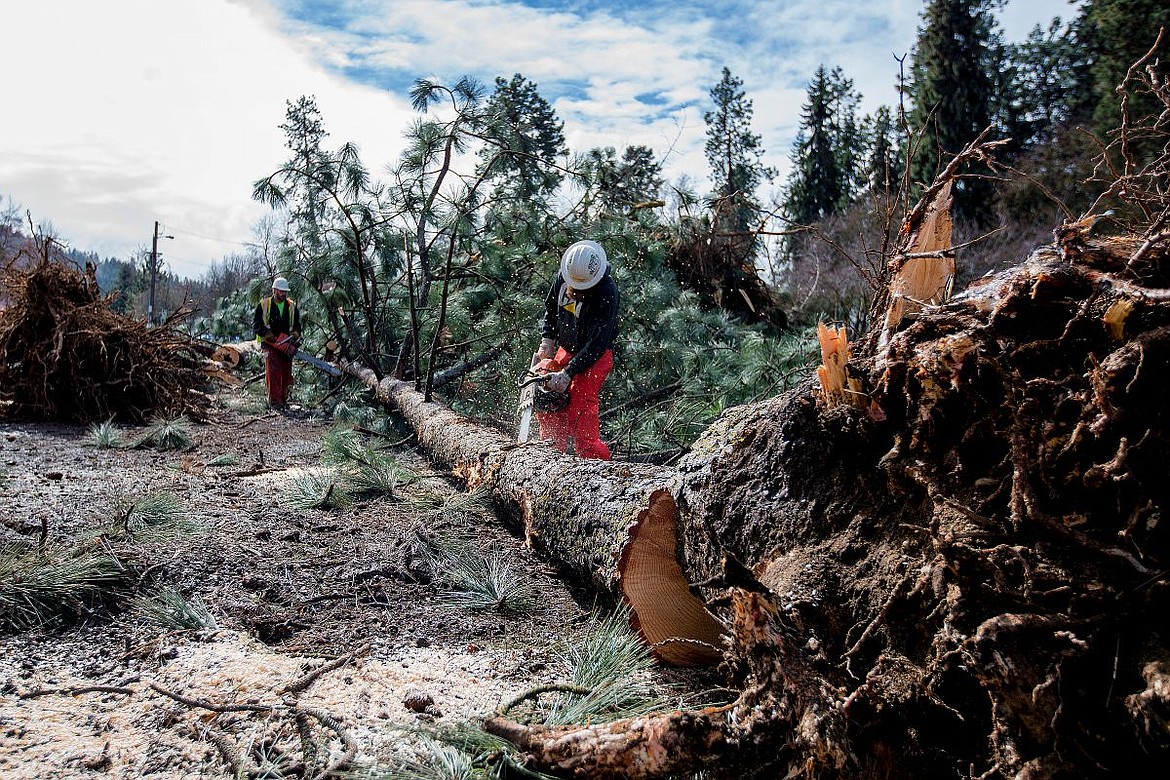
(277, 375)
(580, 419)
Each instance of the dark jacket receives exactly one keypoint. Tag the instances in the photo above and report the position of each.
(586, 327)
(270, 320)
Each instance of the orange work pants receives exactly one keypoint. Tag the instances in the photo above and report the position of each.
(277, 375)
(580, 419)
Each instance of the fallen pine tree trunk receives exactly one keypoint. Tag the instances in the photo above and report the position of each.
(606, 523)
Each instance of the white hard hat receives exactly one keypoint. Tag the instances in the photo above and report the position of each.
(583, 265)
(280, 283)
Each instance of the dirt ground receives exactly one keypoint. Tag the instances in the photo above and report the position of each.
(289, 589)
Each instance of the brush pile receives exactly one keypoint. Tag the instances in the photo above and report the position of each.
(66, 355)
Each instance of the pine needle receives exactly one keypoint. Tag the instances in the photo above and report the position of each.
(615, 665)
(157, 517)
(479, 580)
(105, 435)
(316, 490)
(226, 459)
(345, 447)
(372, 480)
(436, 761)
(167, 433)
(168, 609)
(36, 585)
(365, 469)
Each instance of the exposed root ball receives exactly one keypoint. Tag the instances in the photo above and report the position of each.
(67, 355)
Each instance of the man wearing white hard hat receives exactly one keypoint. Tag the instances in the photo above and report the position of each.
(580, 323)
(277, 323)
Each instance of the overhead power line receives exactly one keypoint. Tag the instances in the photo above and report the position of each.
(211, 238)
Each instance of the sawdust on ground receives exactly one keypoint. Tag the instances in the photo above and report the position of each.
(291, 590)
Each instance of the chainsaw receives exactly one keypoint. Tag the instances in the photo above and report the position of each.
(534, 394)
(286, 345)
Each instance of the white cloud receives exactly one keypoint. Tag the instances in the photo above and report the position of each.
(135, 111)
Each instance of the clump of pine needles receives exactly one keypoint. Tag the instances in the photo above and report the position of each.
(357, 407)
(167, 433)
(434, 761)
(318, 490)
(227, 459)
(614, 665)
(67, 578)
(366, 469)
(481, 580)
(37, 584)
(154, 517)
(104, 435)
(453, 509)
(169, 609)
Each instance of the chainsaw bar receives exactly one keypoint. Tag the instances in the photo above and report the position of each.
(527, 397)
(527, 400)
(312, 360)
(328, 368)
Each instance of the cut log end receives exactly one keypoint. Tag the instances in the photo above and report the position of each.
(672, 620)
(228, 356)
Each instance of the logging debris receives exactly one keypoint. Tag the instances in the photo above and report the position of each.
(69, 356)
(970, 582)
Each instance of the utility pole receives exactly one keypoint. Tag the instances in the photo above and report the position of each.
(153, 274)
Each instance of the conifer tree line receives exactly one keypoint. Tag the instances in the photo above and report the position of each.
(1052, 98)
(435, 270)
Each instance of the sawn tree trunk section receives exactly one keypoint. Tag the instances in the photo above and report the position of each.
(608, 524)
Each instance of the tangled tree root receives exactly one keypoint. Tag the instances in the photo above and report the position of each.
(68, 356)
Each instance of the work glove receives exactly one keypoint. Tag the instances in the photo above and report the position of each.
(548, 348)
(558, 382)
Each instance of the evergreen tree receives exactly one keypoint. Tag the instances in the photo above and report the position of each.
(733, 150)
(124, 278)
(1053, 82)
(717, 256)
(827, 154)
(1117, 33)
(886, 160)
(728, 241)
(525, 138)
(337, 247)
(304, 131)
(617, 185)
(952, 89)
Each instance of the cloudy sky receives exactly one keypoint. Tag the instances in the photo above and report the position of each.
(122, 112)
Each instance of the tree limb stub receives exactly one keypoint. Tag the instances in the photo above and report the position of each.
(649, 746)
(610, 524)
